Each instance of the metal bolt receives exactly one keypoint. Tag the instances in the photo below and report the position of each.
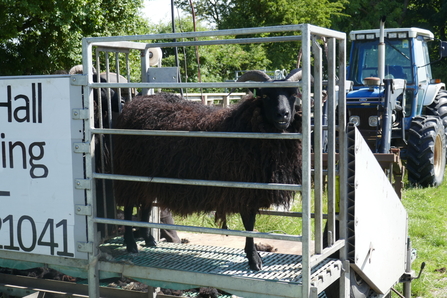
(75, 113)
(78, 209)
(76, 146)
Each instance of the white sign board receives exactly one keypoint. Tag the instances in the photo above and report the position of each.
(38, 166)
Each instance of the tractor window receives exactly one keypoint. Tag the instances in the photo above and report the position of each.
(364, 60)
(422, 61)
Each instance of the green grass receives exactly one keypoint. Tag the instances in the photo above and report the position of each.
(265, 224)
(427, 212)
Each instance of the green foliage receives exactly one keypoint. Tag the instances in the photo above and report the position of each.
(217, 63)
(40, 37)
(257, 13)
(230, 14)
(212, 11)
(364, 14)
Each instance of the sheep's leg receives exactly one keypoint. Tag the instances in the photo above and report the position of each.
(129, 240)
(146, 232)
(254, 259)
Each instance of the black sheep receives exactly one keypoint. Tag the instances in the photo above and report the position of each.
(244, 160)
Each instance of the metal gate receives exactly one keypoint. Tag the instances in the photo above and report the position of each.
(324, 145)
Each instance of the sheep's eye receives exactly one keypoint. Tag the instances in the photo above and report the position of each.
(264, 96)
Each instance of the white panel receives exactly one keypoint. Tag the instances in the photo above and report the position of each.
(380, 222)
(38, 166)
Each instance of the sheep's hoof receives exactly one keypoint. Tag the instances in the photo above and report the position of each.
(151, 242)
(133, 248)
(255, 262)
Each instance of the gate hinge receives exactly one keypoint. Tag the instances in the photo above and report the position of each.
(79, 80)
(81, 147)
(80, 114)
(84, 210)
(83, 184)
(85, 247)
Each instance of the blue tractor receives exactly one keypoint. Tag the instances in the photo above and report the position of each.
(396, 103)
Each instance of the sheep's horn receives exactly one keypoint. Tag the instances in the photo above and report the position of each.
(295, 75)
(254, 75)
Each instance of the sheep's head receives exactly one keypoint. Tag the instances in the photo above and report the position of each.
(279, 103)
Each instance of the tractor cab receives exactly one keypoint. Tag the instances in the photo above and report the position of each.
(393, 90)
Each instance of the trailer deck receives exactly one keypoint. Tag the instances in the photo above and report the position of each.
(227, 265)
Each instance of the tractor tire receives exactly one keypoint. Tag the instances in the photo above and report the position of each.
(439, 107)
(426, 156)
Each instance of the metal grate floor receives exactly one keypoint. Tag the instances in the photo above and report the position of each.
(213, 260)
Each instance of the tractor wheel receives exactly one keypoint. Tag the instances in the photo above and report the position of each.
(426, 151)
(439, 107)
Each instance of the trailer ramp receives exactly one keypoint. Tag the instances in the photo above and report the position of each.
(377, 220)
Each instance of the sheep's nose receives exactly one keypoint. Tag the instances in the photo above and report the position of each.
(283, 115)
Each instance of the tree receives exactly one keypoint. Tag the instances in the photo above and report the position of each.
(365, 14)
(41, 37)
(426, 14)
(257, 13)
(211, 11)
(229, 14)
(218, 63)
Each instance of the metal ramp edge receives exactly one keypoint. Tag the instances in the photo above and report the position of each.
(183, 266)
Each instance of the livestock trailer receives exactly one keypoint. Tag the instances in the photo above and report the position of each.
(61, 215)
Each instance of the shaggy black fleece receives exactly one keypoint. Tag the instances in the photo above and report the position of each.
(245, 160)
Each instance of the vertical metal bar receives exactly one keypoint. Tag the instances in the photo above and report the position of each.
(100, 149)
(331, 141)
(128, 79)
(343, 167)
(407, 284)
(318, 150)
(306, 147)
(343, 142)
(313, 292)
(93, 274)
(177, 63)
(144, 67)
(118, 75)
(98, 65)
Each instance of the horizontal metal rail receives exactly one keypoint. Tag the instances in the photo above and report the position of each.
(140, 224)
(287, 213)
(22, 286)
(232, 184)
(226, 41)
(175, 85)
(327, 252)
(201, 134)
(105, 41)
